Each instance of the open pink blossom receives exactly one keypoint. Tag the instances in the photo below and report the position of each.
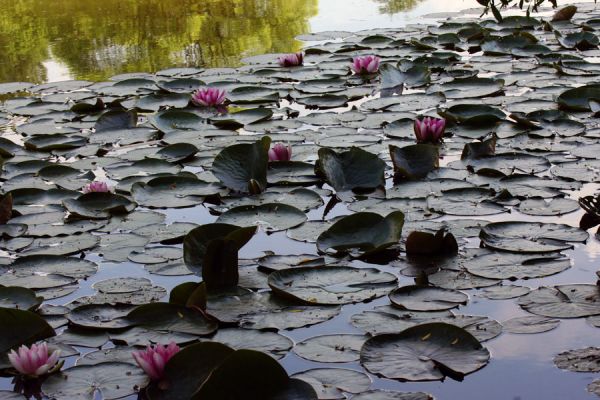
(365, 65)
(291, 60)
(208, 97)
(280, 152)
(153, 359)
(430, 130)
(96, 186)
(35, 361)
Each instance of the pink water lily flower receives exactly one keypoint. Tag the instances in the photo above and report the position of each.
(35, 361)
(291, 60)
(365, 65)
(280, 152)
(430, 130)
(209, 97)
(96, 186)
(153, 359)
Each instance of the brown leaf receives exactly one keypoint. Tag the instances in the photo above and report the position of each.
(565, 13)
(6, 206)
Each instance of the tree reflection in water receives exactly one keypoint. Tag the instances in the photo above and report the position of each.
(97, 39)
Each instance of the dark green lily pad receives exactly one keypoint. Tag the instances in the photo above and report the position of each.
(362, 233)
(110, 380)
(423, 298)
(331, 348)
(26, 327)
(331, 285)
(530, 237)
(425, 352)
(414, 161)
(19, 298)
(97, 205)
(579, 360)
(354, 169)
(530, 324)
(271, 217)
(563, 301)
(329, 383)
(243, 167)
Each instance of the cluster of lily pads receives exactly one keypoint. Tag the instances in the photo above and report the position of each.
(174, 173)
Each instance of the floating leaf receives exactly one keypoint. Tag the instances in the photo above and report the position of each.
(425, 352)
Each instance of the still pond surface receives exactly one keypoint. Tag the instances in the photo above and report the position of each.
(68, 39)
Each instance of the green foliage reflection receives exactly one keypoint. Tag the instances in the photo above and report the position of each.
(97, 39)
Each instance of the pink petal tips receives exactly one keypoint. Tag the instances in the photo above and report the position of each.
(429, 130)
(34, 361)
(153, 359)
(280, 152)
(365, 65)
(208, 97)
(291, 60)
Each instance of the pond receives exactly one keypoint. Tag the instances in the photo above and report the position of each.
(368, 266)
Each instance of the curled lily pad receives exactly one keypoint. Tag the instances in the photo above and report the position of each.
(331, 285)
(243, 167)
(26, 327)
(578, 99)
(171, 318)
(355, 169)
(415, 161)
(364, 233)
(212, 251)
(98, 205)
(425, 352)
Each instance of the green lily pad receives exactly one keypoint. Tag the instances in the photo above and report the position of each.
(19, 298)
(109, 380)
(423, 298)
(241, 118)
(415, 161)
(530, 237)
(355, 169)
(425, 352)
(271, 217)
(530, 324)
(363, 233)
(331, 285)
(26, 327)
(563, 301)
(243, 167)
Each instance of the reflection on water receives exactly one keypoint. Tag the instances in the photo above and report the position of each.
(97, 39)
(396, 6)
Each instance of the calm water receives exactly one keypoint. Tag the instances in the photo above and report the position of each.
(50, 40)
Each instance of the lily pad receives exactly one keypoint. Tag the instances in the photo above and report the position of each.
(530, 237)
(271, 217)
(331, 285)
(355, 169)
(425, 352)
